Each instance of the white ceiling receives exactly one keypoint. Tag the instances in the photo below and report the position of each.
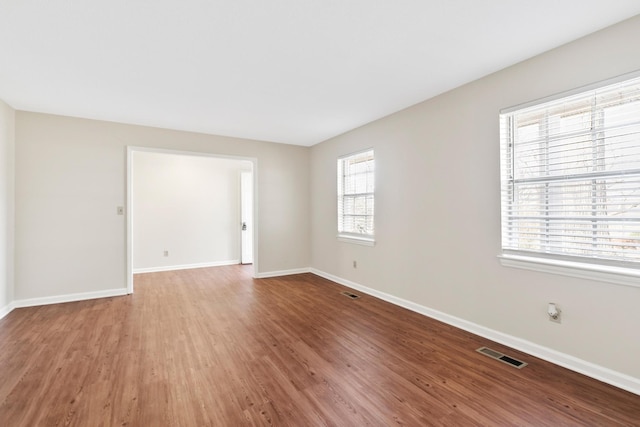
(291, 71)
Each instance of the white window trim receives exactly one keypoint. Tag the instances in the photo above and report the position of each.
(598, 272)
(568, 93)
(358, 240)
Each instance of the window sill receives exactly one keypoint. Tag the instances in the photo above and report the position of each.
(365, 241)
(618, 275)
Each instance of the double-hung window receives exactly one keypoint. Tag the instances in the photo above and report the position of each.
(570, 178)
(356, 173)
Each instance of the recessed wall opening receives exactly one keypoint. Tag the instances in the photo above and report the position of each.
(189, 210)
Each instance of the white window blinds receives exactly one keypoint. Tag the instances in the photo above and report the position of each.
(570, 177)
(356, 194)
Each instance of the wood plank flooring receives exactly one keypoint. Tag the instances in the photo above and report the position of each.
(214, 347)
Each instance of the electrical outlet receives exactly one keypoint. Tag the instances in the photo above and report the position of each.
(166, 253)
(554, 313)
(355, 264)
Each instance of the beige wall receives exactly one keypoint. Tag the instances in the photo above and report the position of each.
(7, 119)
(438, 211)
(71, 176)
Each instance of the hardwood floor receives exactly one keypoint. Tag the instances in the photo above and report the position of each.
(214, 347)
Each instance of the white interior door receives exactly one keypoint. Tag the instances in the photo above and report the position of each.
(246, 214)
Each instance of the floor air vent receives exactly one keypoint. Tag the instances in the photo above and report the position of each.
(501, 357)
(350, 295)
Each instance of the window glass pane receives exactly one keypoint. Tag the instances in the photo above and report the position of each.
(348, 205)
(623, 139)
(570, 173)
(356, 193)
(360, 183)
(349, 224)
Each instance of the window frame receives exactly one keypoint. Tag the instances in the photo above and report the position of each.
(623, 273)
(365, 239)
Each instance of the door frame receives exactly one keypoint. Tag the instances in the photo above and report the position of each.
(130, 212)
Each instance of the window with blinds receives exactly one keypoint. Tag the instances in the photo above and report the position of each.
(570, 177)
(356, 195)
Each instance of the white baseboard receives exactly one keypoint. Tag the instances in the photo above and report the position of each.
(606, 375)
(57, 299)
(281, 273)
(185, 266)
(6, 309)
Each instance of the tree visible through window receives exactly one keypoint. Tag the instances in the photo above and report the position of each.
(571, 177)
(356, 195)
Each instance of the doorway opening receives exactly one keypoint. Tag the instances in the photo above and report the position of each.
(189, 210)
(246, 217)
